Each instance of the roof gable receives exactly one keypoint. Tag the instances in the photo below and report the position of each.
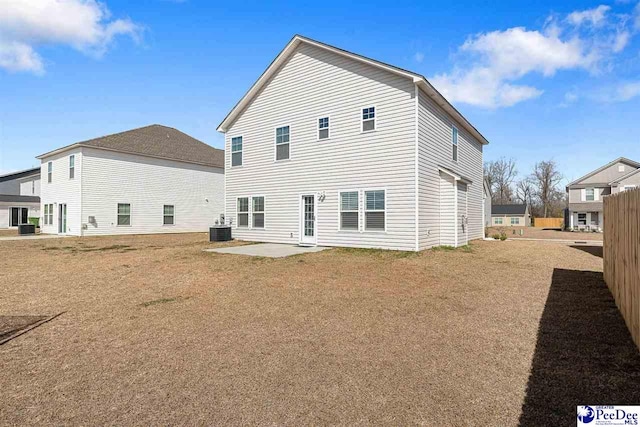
(591, 174)
(155, 141)
(290, 48)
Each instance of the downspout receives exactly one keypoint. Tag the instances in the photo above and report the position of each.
(417, 201)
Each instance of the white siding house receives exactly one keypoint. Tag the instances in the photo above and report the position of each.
(330, 148)
(154, 179)
(19, 197)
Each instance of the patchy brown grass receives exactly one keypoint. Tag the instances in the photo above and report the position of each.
(167, 334)
(10, 232)
(541, 233)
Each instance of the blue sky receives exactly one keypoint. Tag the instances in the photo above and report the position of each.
(541, 80)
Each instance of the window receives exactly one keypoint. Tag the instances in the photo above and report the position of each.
(594, 218)
(454, 142)
(582, 219)
(258, 212)
(49, 171)
(50, 213)
(243, 212)
(323, 128)
(497, 221)
(368, 119)
(124, 214)
(46, 214)
(168, 215)
(349, 210)
(374, 210)
(620, 168)
(628, 187)
(72, 166)
(515, 221)
(236, 151)
(282, 143)
(589, 194)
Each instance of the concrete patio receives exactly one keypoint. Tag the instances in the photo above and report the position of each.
(270, 250)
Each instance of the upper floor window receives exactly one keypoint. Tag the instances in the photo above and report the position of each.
(72, 166)
(454, 142)
(323, 128)
(374, 213)
(236, 151)
(590, 194)
(49, 171)
(368, 119)
(282, 143)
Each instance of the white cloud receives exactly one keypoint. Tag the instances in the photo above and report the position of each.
(419, 56)
(490, 65)
(85, 25)
(595, 17)
(626, 91)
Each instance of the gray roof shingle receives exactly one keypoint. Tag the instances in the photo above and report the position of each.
(513, 209)
(157, 141)
(15, 198)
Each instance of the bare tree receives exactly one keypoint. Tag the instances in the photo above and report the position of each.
(525, 191)
(546, 179)
(500, 175)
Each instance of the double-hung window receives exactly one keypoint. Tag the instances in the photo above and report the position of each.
(515, 221)
(498, 221)
(590, 194)
(236, 151)
(124, 214)
(243, 212)
(368, 119)
(349, 210)
(72, 166)
(168, 214)
(50, 213)
(282, 143)
(374, 213)
(454, 143)
(323, 128)
(582, 219)
(46, 214)
(257, 211)
(49, 171)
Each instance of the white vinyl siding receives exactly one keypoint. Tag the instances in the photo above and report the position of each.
(63, 190)
(434, 151)
(236, 151)
(310, 84)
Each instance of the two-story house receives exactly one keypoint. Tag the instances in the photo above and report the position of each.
(153, 179)
(19, 197)
(332, 148)
(586, 193)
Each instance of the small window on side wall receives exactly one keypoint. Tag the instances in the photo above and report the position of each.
(368, 119)
(236, 151)
(168, 213)
(243, 212)
(49, 171)
(282, 143)
(590, 194)
(72, 166)
(124, 214)
(454, 142)
(323, 128)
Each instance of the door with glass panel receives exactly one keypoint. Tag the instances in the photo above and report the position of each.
(62, 218)
(19, 216)
(308, 232)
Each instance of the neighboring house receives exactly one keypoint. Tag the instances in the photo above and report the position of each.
(586, 193)
(154, 179)
(19, 197)
(334, 149)
(514, 215)
(486, 203)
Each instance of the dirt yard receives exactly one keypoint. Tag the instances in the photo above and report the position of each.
(155, 331)
(542, 233)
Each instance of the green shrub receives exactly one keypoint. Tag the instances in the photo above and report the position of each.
(503, 236)
(35, 221)
(496, 236)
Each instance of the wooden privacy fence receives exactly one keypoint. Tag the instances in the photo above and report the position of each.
(621, 251)
(548, 222)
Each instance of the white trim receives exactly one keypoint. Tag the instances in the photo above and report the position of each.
(231, 151)
(318, 129)
(416, 167)
(340, 229)
(275, 143)
(364, 209)
(301, 218)
(375, 119)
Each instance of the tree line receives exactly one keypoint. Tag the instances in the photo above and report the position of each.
(540, 189)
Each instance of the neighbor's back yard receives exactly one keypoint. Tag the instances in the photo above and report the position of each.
(155, 331)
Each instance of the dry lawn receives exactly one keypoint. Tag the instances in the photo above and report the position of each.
(158, 332)
(543, 233)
